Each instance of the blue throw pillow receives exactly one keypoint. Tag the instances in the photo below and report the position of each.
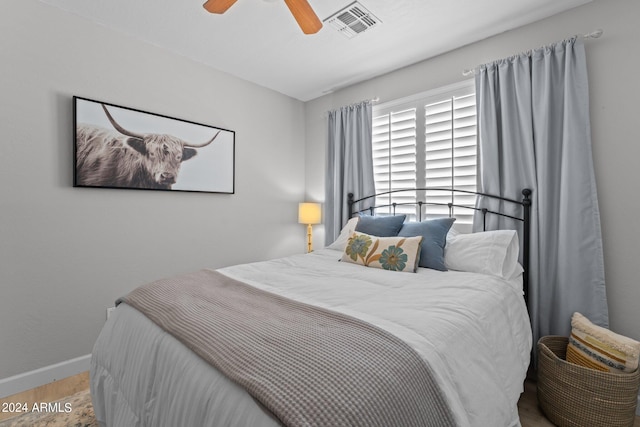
(434, 233)
(381, 226)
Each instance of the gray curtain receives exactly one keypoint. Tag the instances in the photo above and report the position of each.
(534, 131)
(349, 163)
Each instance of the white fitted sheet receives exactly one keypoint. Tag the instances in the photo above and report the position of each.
(473, 330)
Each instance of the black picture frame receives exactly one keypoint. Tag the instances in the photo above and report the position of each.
(121, 147)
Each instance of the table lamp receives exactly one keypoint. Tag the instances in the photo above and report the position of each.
(309, 213)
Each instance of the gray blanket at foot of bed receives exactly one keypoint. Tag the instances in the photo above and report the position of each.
(308, 365)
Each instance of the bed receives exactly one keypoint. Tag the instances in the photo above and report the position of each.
(470, 331)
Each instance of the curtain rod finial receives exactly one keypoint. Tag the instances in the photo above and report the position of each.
(594, 34)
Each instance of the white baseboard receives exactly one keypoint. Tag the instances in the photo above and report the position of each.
(32, 379)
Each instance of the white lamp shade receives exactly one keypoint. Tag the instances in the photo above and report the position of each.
(309, 213)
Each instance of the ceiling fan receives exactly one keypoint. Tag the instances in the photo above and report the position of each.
(300, 9)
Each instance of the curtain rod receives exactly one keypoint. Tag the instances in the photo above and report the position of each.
(592, 35)
(371, 100)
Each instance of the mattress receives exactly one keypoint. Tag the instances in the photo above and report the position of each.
(472, 329)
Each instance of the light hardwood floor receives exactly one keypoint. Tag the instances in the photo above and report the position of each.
(530, 414)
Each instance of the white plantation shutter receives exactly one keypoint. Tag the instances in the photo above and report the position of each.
(428, 140)
(450, 154)
(394, 158)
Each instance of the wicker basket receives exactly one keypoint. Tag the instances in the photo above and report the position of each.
(571, 395)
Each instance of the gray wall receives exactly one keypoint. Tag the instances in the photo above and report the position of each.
(613, 64)
(67, 253)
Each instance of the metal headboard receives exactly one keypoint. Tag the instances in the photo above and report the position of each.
(525, 217)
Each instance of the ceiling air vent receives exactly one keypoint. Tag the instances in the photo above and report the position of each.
(353, 20)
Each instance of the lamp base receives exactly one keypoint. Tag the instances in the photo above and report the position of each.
(309, 239)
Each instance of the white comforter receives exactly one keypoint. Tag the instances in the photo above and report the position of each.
(473, 329)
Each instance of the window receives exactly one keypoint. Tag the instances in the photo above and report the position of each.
(427, 140)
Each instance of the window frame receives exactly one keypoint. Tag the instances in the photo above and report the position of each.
(418, 102)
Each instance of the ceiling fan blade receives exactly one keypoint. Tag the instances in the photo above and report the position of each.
(218, 6)
(304, 15)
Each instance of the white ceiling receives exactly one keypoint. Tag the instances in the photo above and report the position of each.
(259, 41)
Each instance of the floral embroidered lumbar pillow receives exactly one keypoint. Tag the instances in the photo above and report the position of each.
(388, 253)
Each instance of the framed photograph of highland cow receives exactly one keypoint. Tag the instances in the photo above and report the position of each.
(120, 147)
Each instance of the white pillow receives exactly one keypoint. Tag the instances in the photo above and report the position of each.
(457, 229)
(487, 252)
(346, 232)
